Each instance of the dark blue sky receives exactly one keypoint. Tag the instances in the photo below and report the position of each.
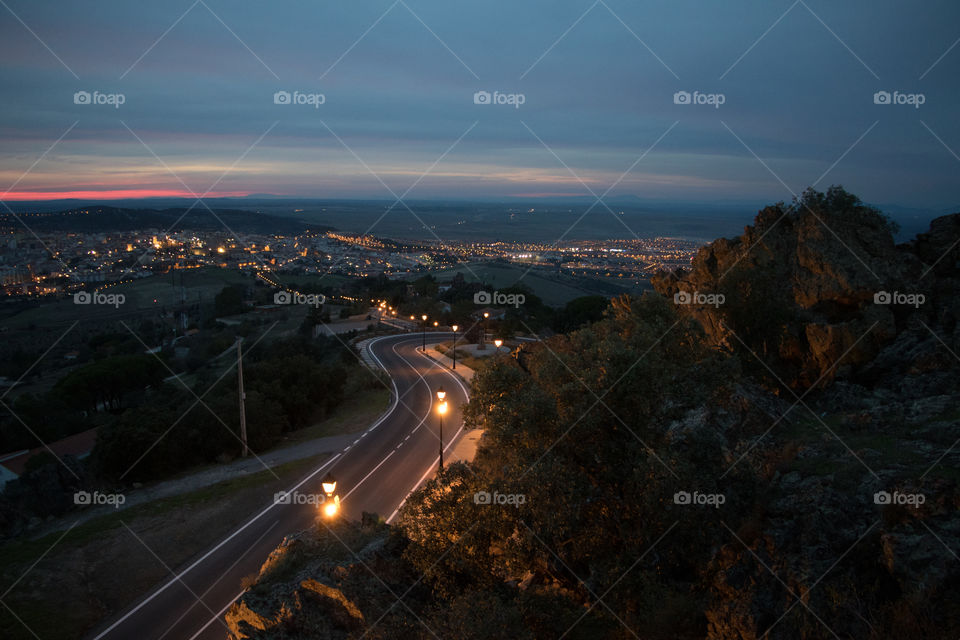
(601, 84)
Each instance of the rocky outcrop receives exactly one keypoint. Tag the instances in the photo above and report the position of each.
(314, 586)
(815, 289)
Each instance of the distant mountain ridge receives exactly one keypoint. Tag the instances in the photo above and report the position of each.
(104, 218)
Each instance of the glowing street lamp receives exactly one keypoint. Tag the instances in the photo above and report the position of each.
(330, 509)
(329, 484)
(441, 409)
(497, 343)
(454, 327)
(424, 318)
(331, 501)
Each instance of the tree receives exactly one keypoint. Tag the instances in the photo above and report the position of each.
(229, 301)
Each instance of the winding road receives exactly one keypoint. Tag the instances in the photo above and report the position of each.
(375, 474)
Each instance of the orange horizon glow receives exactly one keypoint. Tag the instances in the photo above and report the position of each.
(115, 194)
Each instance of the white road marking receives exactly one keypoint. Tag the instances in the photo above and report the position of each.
(180, 575)
(372, 471)
(393, 406)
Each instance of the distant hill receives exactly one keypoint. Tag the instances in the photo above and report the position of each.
(105, 218)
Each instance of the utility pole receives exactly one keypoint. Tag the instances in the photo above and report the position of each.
(243, 415)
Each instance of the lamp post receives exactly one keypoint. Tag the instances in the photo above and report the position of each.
(454, 327)
(483, 336)
(441, 409)
(497, 344)
(424, 318)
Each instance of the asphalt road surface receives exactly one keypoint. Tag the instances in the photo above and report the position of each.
(375, 474)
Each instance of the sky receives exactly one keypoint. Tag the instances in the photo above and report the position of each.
(686, 101)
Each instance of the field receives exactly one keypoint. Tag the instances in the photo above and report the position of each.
(141, 296)
(553, 289)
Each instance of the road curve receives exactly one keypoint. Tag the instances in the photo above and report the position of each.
(375, 474)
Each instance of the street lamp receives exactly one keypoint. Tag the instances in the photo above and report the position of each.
(483, 338)
(497, 343)
(329, 484)
(441, 409)
(330, 506)
(454, 327)
(424, 317)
